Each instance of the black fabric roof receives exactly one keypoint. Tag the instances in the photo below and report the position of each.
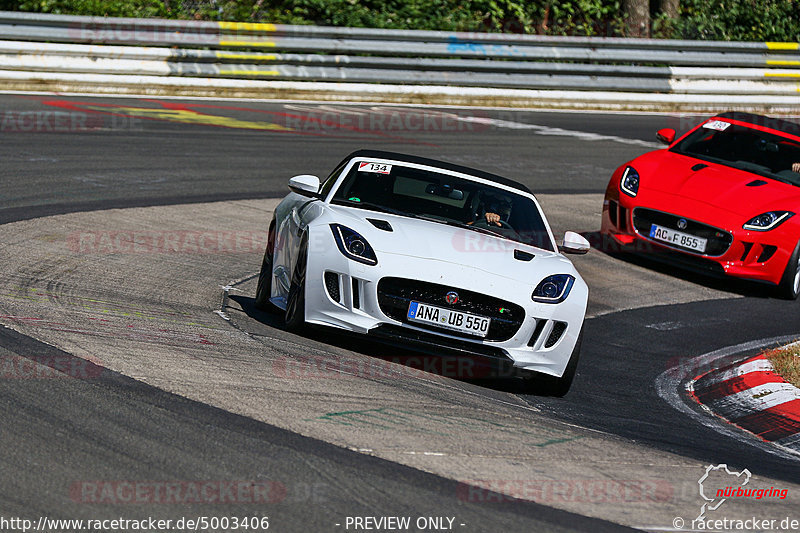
(440, 164)
(778, 124)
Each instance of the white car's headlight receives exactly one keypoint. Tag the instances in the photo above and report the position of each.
(553, 289)
(353, 245)
(767, 221)
(629, 184)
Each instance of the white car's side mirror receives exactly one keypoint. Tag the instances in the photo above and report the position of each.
(574, 244)
(304, 184)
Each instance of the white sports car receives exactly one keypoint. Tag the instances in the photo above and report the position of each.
(426, 252)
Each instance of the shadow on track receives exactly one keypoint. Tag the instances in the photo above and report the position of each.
(674, 265)
(464, 367)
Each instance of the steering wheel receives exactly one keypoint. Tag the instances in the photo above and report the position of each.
(503, 224)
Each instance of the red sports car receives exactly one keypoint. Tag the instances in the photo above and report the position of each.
(722, 199)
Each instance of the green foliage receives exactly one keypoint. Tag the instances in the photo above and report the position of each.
(112, 8)
(454, 15)
(562, 17)
(740, 20)
(745, 20)
(585, 17)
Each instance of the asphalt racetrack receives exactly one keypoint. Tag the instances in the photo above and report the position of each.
(143, 383)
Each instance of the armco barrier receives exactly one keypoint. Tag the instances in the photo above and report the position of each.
(159, 56)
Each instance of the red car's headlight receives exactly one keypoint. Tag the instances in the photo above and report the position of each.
(629, 184)
(767, 221)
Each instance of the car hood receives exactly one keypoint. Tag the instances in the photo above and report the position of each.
(718, 185)
(439, 242)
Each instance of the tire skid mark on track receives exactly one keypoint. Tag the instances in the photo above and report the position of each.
(236, 372)
(106, 329)
(672, 325)
(390, 417)
(117, 308)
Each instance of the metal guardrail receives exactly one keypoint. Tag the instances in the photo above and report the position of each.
(244, 51)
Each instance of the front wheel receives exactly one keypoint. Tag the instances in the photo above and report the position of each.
(295, 317)
(789, 287)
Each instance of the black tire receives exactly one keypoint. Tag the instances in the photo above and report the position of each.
(264, 287)
(551, 386)
(789, 286)
(295, 317)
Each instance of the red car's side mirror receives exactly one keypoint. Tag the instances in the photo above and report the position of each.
(666, 135)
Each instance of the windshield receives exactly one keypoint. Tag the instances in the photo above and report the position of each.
(444, 199)
(762, 153)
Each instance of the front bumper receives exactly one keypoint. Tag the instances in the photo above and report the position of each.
(344, 294)
(733, 251)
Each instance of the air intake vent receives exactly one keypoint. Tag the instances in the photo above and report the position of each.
(523, 256)
(380, 224)
(332, 286)
(623, 219)
(612, 211)
(747, 247)
(356, 294)
(767, 253)
(538, 331)
(555, 334)
(756, 183)
(699, 166)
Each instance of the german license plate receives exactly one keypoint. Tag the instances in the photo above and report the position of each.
(678, 238)
(449, 319)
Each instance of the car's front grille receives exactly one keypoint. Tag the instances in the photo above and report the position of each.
(395, 295)
(718, 240)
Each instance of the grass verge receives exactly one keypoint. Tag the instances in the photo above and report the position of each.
(786, 361)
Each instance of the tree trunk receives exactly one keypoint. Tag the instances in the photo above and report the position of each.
(543, 25)
(669, 8)
(637, 15)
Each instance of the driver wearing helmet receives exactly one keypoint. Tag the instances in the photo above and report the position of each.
(497, 209)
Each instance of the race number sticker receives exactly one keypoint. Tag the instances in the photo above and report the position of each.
(374, 167)
(717, 125)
